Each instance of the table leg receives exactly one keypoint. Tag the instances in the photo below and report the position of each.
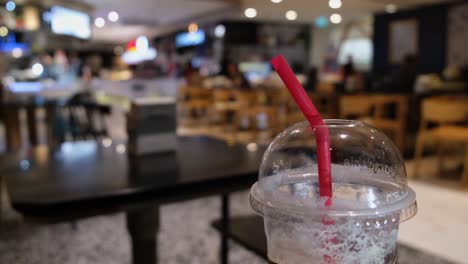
(50, 117)
(224, 253)
(32, 125)
(12, 128)
(143, 225)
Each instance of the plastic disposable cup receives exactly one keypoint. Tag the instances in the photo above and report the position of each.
(370, 197)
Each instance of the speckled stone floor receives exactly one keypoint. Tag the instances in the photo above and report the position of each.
(185, 237)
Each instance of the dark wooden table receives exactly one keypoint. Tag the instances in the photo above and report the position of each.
(85, 179)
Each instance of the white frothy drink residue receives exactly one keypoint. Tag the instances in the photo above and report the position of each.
(339, 243)
(343, 240)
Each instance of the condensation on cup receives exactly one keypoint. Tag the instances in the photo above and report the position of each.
(370, 197)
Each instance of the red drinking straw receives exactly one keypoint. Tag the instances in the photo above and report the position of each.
(315, 121)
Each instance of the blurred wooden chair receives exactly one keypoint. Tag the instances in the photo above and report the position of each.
(375, 110)
(280, 99)
(326, 104)
(185, 93)
(355, 106)
(222, 110)
(325, 88)
(255, 124)
(325, 99)
(393, 122)
(448, 115)
(197, 111)
(245, 98)
(193, 105)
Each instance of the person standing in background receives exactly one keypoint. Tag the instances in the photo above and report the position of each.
(192, 75)
(352, 80)
(74, 65)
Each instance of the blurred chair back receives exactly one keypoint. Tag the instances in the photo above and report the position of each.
(326, 104)
(443, 110)
(257, 123)
(391, 119)
(223, 95)
(325, 87)
(355, 106)
(186, 93)
(193, 105)
(450, 115)
(374, 109)
(246, 98)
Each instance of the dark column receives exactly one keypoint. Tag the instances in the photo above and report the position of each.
(143, 225)
(32, 124)
(12, 127)
(52, 140)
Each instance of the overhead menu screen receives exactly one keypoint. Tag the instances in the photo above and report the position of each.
(65, 21)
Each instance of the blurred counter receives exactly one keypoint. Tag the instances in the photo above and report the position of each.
(104, 89)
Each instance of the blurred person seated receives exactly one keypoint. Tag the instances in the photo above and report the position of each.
(351, 79)
(232, 72)
(192, 75)
(48, 65)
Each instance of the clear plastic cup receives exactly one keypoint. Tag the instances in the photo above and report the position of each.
(370, 196)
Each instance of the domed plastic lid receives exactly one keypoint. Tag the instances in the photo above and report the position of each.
(368, 173)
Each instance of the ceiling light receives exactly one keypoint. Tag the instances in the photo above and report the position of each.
(10, 6)
(276, 1)
(391, 8)
(335, 4)
(250, 12)
(3, 31)
(107, 142)
(99, 22)
(37, 69)
(113, 16)
(192, 27)
(321, 22)
(17, 53)
(120, 148)
(291, 15)
(220, 30)
(336, 18)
